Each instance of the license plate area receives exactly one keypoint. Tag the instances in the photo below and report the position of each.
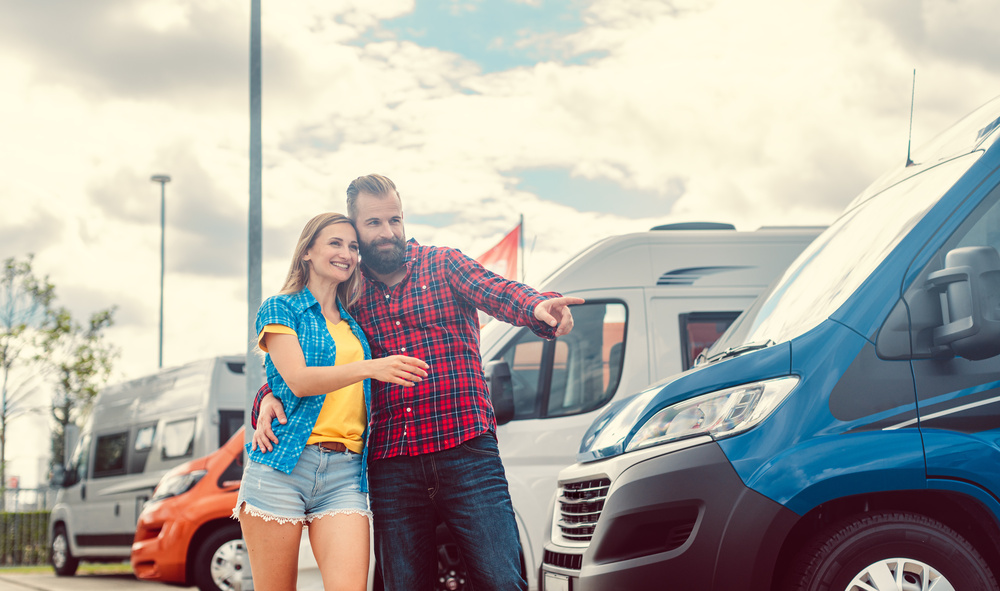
(554, 582)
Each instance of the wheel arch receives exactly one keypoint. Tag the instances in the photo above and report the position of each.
(964, 513)
(200, 535)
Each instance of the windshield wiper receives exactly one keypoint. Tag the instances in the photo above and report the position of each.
(735, 351)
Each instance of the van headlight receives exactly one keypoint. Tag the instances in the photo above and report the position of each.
(176, 484)
(722, 413)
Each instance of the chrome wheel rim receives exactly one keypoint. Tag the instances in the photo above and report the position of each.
(227, 562)
(59, 548)
(900, 574)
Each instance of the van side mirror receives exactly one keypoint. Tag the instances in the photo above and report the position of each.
(501, 390)
(63, 476)
(970, 302)
(58, 476)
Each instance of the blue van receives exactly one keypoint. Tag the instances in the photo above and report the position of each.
(843, 434)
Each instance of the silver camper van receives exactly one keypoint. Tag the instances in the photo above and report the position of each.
(654, 301)
(137, 431)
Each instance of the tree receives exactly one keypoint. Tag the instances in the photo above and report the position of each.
(42, 345)
(82, 361)
(26, 314)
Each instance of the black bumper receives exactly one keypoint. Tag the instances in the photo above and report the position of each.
(683, 520)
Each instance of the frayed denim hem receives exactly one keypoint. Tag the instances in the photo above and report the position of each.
(366, 513)
(251, 510)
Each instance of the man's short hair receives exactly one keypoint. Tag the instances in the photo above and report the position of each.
(373, 184)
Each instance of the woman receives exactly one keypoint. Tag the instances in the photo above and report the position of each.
(319, 364)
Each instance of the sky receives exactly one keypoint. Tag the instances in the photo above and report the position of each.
(589, 118)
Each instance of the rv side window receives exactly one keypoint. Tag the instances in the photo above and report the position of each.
(110, 457)
(80, 457)
(573, 374)
(230, 422)
(144, 438)
(699, 330)
(178, 439)
(142, 443)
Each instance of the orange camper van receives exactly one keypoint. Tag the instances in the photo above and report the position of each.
(185, 535)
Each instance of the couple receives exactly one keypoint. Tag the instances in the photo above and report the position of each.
(422, 434)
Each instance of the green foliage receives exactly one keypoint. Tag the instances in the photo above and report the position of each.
(26, 315)
(24, 538)
(82, 361)
(40, 342)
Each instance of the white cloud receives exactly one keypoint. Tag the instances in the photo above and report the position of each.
(772, 112)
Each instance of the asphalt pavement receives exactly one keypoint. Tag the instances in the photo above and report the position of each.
(50, 582)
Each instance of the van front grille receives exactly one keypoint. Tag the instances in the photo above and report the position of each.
(569, 561)
(580, 505)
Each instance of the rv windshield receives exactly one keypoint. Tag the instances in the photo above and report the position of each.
(840, 259)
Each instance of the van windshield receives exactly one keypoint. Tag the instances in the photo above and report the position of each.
(841, 258)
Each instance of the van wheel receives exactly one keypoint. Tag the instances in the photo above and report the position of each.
(60, 555)
(452, 575)
(890, 551)
(219, 560)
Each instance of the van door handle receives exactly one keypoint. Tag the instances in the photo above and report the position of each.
(117, 509)
(83, 492)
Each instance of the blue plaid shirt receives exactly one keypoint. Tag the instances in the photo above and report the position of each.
(301, 312)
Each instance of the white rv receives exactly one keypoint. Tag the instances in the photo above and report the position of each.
(137, 431)
(654, 300)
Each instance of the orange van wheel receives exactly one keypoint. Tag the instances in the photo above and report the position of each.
(219, 560)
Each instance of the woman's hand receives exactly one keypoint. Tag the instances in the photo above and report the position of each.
(398, 369)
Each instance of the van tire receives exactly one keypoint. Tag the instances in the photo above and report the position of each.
(218, 562)
(60, 555)
(862, 545)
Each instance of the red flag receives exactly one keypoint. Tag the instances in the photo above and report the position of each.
(502, 258)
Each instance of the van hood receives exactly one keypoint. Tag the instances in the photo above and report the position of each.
(610, 434)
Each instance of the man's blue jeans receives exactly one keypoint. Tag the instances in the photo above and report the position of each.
(467, 487)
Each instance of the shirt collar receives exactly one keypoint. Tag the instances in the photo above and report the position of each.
(304, 299)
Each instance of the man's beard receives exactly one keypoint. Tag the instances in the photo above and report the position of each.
(383, 262)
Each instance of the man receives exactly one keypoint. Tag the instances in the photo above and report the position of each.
(432, 447)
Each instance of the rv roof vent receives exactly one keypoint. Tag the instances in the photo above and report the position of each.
(235, 366)
(694, 226)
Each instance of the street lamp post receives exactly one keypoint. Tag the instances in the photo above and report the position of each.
(163, 179)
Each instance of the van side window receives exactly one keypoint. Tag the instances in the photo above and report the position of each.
(908, 332)
(80, 457)
(142, 442)
(573, 374)
(230, 422)
(699, 330)
(110, 457)
(178, 439)
(144, 438)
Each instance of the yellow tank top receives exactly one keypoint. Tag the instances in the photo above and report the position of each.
(343, 417)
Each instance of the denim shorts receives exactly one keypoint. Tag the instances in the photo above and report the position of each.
(322, 483)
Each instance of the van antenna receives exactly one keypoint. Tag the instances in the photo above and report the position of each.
(909, 139)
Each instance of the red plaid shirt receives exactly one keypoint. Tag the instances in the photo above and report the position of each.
(431, 315)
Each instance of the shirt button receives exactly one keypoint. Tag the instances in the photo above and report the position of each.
(397, 323)
(424, 287)
(408, 409)
(402, 349)
(386, 296)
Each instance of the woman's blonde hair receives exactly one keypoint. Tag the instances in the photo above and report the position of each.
(298, 273)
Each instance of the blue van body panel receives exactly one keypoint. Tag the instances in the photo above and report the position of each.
(827, 468)
(962, 456)
(806, 456)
